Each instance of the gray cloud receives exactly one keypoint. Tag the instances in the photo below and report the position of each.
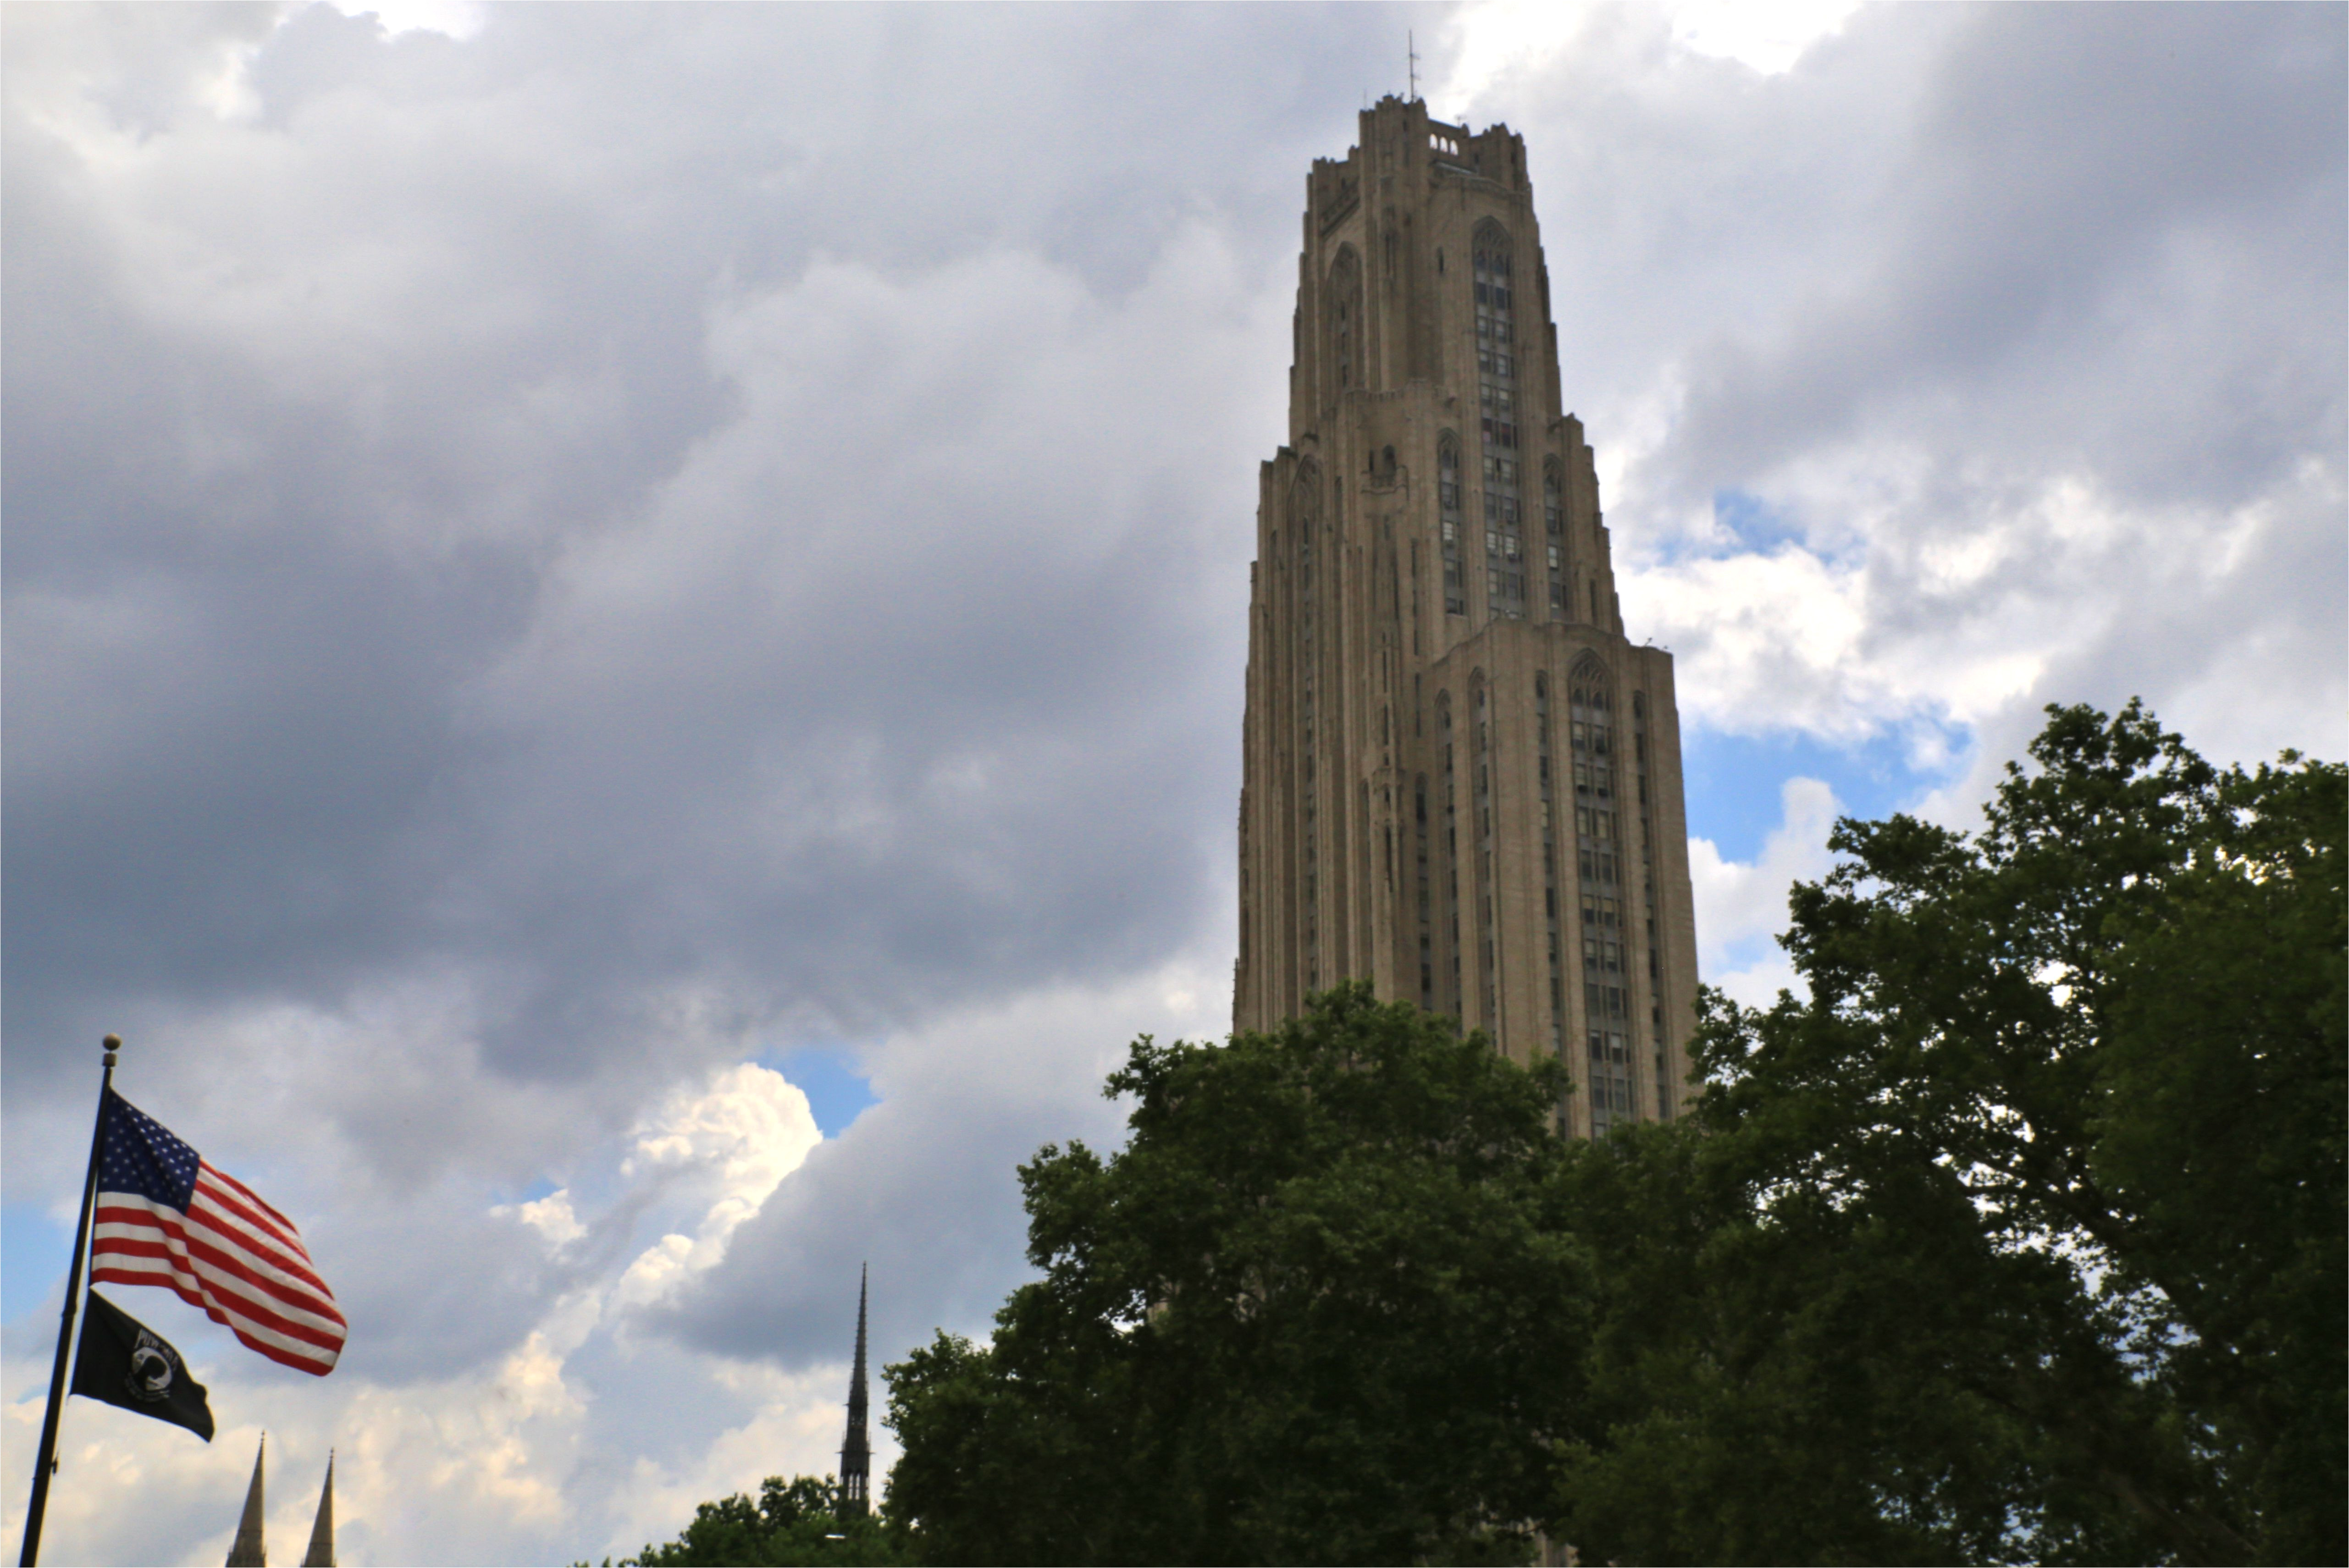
(2076, 196)
(310, 417)
(540, 565)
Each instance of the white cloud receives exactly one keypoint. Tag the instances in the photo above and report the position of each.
(510, 1456)
(449, 18)
(1769, 37)
(1739, 902)
(550, 1216)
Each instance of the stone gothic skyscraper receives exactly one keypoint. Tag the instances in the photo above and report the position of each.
(1462, 781)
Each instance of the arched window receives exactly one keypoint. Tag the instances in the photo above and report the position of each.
(1346, 320)
(1496, 387)
(1447, 494)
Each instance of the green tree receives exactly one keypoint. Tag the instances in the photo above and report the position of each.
(1322, 1307)
(794, 1521)
(2023, 1237)
(2020, 1239)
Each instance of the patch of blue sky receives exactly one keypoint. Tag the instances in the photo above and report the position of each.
(837, 1093)
(1752, 522)
(1733, 781)
(1745, 523)
(32, 1250)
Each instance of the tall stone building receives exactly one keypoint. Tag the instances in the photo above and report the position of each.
(1462, 780)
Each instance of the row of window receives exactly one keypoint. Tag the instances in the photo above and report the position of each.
(1549, 870)
(1507, 588)
(1494, 298)
(1497, 396)
(1606, 1002)
(1615, 1033)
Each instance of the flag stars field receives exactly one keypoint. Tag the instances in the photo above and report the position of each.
(166, 1218)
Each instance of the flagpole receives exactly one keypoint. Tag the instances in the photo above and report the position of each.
(47, 1462)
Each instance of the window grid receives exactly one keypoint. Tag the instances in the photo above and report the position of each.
(1425, 902)
(1447, 486)
(1550, 865)
(1308, 661)
(1450, 846)
(1488, 969)
(1606, 1004)
(1496, 383)
(1554, 526)
(1664, 1095)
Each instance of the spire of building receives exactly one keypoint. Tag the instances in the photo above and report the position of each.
(857, 1448)
(322, 1535)
(248, 1552)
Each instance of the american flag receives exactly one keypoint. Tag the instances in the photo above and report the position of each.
(167, 1218)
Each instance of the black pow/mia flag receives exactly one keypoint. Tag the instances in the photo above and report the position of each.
(123, 1362)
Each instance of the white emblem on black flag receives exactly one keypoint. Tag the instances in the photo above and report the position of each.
(122, 1362)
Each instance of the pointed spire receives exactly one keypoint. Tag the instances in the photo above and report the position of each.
(322, 1535)
(857, 1448)
(248, 1552)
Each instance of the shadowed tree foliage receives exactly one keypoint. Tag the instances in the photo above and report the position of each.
(1321, 1309)
(794, 1521)
(2022, 1239)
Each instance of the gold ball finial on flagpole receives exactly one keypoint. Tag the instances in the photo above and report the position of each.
(113, 1044)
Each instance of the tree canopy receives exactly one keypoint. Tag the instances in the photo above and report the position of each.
(1320, 1308)
(795, 1522)
(2021, 1237)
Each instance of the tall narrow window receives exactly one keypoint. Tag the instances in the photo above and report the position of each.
(1308, 693)
(1345, 309)
(1487, 926)
(1662, 1049)
(1447, 495)
(1425, 904)
(1606, 994)
(1449, 781)
(1548, 774)
(1554, 533)
(1496, 388)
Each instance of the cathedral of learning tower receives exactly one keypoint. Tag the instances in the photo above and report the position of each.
(1462, 783)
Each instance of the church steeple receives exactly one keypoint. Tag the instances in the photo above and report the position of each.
(857, 1448)
(322, 1533)
(248, 1550)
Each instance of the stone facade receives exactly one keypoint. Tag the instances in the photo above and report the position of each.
(1462, 783)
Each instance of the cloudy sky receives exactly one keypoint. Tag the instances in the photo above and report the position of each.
(624, 625)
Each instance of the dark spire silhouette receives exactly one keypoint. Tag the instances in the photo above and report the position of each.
(248, 1550)
(322, 1535)
(856, 1449)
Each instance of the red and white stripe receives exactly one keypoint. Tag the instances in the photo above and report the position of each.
(233, 1255)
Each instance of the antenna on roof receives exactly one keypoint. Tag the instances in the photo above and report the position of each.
(1410, 47)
